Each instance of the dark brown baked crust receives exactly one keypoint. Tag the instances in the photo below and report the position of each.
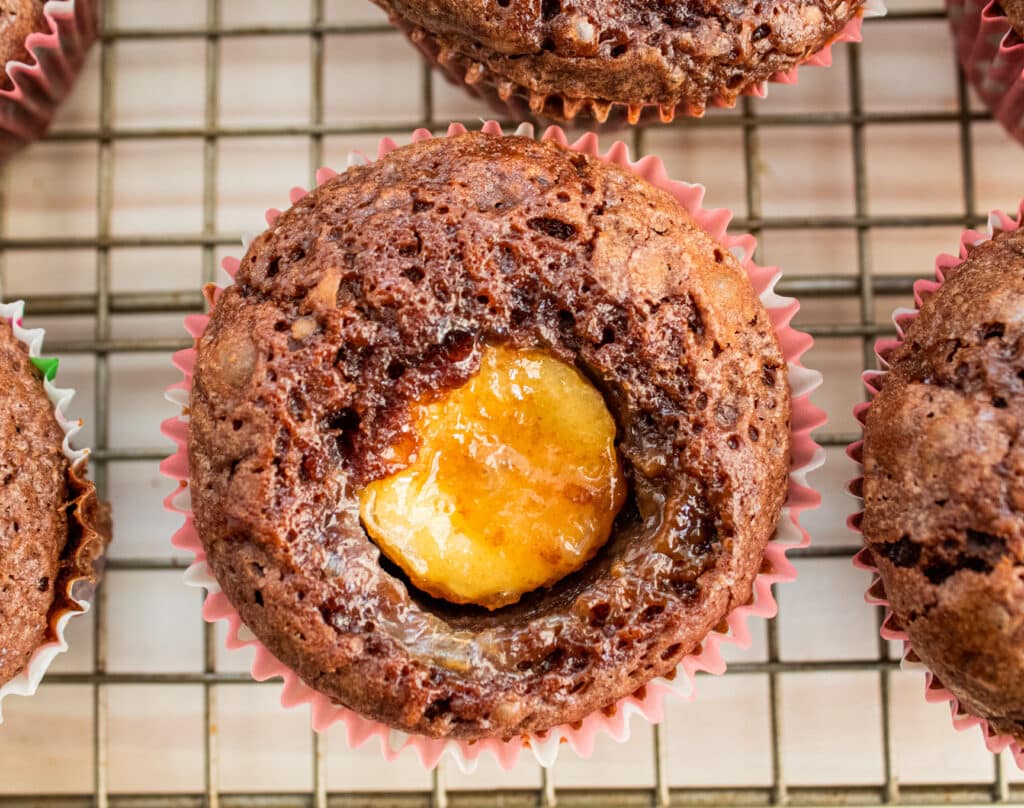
(944, 483)
(590, 54)
(401, 270)
(1015, 11)
(18, 19)
(50, 522)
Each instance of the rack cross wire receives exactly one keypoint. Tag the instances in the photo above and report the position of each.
(103, 304)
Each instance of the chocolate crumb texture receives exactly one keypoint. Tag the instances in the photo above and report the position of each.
(18, 19)
(52, 528)
(383, 286)
(1015, 11)
(944, 483)
(591, 56)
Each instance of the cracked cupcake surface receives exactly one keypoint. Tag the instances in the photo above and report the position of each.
(397, 283)
(52, 528)
(944, 483)
(587, 55)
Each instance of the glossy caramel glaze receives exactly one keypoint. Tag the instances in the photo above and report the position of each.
(513, 482)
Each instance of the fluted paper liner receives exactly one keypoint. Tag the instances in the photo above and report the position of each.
(39, 84)
(506, 95)
(891, 628)
(992, 55)
(648, 701)
(88, 525)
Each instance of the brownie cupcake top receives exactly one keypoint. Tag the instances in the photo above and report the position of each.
(1015, 11)
(51, 527)
(398, 281)
(18, 19)
(592, 53)
(944, 482)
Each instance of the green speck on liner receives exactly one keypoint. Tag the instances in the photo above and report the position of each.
(48, 367)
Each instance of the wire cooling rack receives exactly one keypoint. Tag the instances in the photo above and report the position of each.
(851, 196)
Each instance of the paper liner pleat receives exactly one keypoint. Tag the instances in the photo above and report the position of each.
(39, 84)
(504, 95)
(891, 628)
(27, 681)
(992, 56)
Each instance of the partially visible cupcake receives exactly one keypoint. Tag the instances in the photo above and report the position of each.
(42, 47)
(1015, 13)
(53, 530)
(943, 483)
(990, 43)
(18, 19)
(592, 57)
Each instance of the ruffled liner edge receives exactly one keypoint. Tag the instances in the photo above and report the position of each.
(648, 701)
(891, 628)
(461, 70)
(88, 526)
(992, 55)
(40, 83)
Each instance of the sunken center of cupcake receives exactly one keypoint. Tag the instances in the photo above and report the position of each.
(514, 484)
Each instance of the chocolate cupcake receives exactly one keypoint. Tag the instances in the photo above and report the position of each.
(1015, 13)
(43, 46)
(989, 38)
(943, 487)
(18, 20)
(485, 436)
(559, 60)
(52, 528)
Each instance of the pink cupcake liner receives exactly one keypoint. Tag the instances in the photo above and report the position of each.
(41, 83)
(992, 55)
(891, 628)
(648, 701)
(77, 594)
(508, 97)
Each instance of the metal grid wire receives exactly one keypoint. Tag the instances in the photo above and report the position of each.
(104, 304)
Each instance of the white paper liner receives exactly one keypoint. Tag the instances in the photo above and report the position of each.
(27, 682)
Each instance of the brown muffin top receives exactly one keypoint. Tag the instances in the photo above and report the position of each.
(385, 283)
(18, 19)
(1015, 11)
(944, 482)
(33, 494)
(594, 52)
